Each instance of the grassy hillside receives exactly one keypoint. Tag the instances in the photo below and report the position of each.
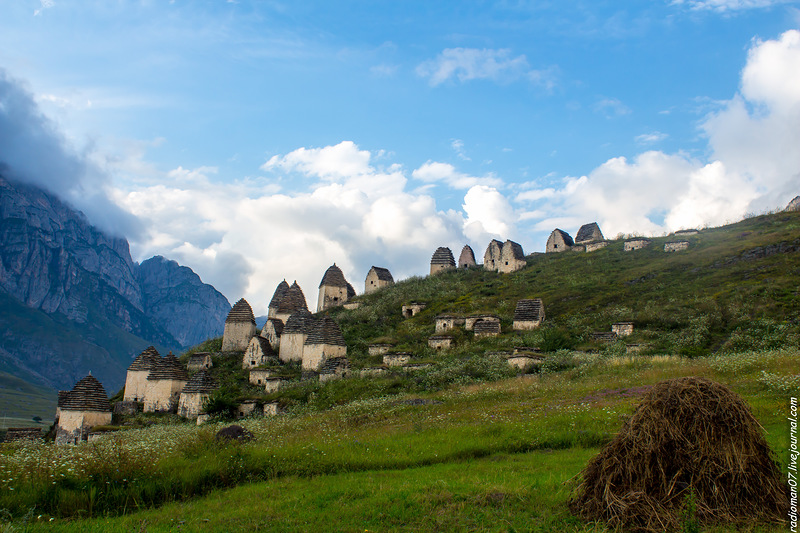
(23, 402)
(466, 444)
(734, 289)
(487, 457)
(105, 349)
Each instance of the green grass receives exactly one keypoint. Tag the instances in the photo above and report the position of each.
(24, 401)
(490, 456)
(729, 291)
(518, 492)
(484, 450)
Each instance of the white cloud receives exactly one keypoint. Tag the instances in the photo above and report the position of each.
(329, 163)
(728, 5)
(772, 73)
(244, 240)
(383, 70)
(754, 164)
(611, 107)
(756, 134)
(433, 171)
(34, 150)
(43, 4)
(650, 138)
(458, 147)
(465, 64)
(489, 214)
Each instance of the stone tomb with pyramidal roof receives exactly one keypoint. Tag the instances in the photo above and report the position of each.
(334, 368)
(469, 322)
(440, 342)
(240, 327)
(323, 342)
(528, 314)
(164, 385)
(486, 328)
(377, 278)
(292, 301)
(334, 290)
(272, 331)
(277, 296)
(196, 391)
(442, 260)
(80, 409)
(294, 336)
(467, 257)
(446, 322)
(199, 361)
(589, 233)
(559, 241)
(503, 257)
(258, 353)
(136, 378)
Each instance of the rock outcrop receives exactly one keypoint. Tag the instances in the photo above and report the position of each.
(74, 300)
(175, 297)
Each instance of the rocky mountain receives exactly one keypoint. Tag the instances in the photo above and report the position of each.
(74, 301)
(175, 297)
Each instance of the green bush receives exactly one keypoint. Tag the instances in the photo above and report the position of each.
(222, 403)
(554, 339)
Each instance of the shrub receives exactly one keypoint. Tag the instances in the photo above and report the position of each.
(222, 403)
(554, 339)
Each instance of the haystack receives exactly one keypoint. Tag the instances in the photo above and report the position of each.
(689, 436)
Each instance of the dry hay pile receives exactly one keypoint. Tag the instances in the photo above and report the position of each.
(688, 436)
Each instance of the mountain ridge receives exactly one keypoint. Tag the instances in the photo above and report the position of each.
(75, 301)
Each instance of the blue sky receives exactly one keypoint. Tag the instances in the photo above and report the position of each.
(254, 141)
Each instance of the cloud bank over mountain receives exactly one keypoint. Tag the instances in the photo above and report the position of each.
(33, 150)
(316, 205)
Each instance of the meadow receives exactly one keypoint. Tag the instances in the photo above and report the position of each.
(467, 444)
(492, 456)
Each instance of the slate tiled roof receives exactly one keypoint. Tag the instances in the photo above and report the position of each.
(443, 256)
(565, 237)
(334, 277)
(330, 366)
(266, 347)
(279, 293)
(145, 360)
(241, 312)
(14, 434)
(515, 250)
(486, 326)
(529, 310)
(299, 322)
(604, 336)
(87, 395)
(198, 358)
(277, 325)
(383, 273)
(200, 383)
(588, 233)
(351, 292)
(325, 331)
(467, 257)
(293, 300)
(168, 368)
